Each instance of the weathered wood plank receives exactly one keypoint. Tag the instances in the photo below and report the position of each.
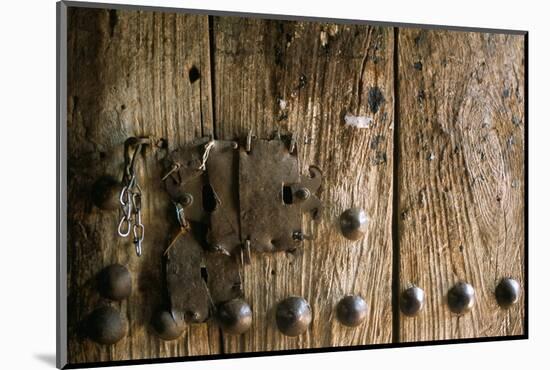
(129, 75)
(461, 176)
(305, 77)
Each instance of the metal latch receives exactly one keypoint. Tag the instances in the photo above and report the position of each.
(232, 199)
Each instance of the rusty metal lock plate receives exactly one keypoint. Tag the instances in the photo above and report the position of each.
(223, 197)
(240, 199)
(188, 291)
(269, 217)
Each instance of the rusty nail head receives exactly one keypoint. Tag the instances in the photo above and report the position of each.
(353, 223)
(351, 310)
(461, 298)
(412, 301)
(106, 326)
(166, 327)
(507, 292)
(234, 316)
(115, 282)
(293, 316)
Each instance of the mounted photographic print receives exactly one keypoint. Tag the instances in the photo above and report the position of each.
(242, 184)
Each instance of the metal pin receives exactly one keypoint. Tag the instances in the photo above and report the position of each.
(292, 143)
(245, 253)
(174, 168)
(216, 248)
(248, 141)
(302, 194)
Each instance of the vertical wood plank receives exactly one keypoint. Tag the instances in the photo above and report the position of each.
(307, 77)
(129, 75)
(461, 177)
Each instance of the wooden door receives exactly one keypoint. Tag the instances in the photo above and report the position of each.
(460, 176)
(424, 130)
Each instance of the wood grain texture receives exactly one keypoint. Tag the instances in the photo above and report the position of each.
(305, 77)
(460, 177)
(129, 76)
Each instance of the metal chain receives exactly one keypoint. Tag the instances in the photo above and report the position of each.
(130, 201)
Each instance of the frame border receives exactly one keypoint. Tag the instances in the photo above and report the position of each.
(61, 187)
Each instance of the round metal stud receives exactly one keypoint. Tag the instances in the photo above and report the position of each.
(353, 223)
(412, 301)
(166, 327)
(302, 193)
(106, 326)
(293, 316)
(351, 310)
(105, 193)
(461, 298)
(115, 282)
(186, 199)
(507, 292)
(234, 316)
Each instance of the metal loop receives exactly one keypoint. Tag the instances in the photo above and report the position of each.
(123, 199)
(133, 182)
(136, 201)
(124, 220)
(138, 248)
(139, 232)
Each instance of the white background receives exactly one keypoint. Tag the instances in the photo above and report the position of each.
(27, 182)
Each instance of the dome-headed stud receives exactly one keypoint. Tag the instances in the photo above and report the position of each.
(302, 194)
(351, 310)
(507, 292)
(106, 192)
(105, 325)
(293, 316)
(461, 298)
(234, 316)
(166, 327)
(353, 223)
(115, 282)
(411, 301)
